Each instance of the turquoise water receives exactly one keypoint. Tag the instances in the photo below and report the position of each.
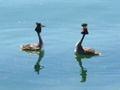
(60, 70)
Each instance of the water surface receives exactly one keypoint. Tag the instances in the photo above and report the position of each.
(60, 70)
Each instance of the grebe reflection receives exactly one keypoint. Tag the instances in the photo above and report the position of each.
(40, 53)
(83, 70)
(38, 66)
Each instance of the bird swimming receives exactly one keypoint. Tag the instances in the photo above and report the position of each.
(83, 50)
(39, 46)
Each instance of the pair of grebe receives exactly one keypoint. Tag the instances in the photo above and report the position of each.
(79, 48)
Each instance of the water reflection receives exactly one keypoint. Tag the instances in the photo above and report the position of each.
(83, 70)
(37, 66)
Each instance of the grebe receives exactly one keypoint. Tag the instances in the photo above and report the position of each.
(83, 50)
(38, 46)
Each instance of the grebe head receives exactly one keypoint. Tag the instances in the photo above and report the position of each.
(38, 24)
(38, 27)
(84, 25)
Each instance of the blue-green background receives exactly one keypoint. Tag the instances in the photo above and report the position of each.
(63, 19)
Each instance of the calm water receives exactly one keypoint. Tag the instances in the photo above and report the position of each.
(60, 69)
